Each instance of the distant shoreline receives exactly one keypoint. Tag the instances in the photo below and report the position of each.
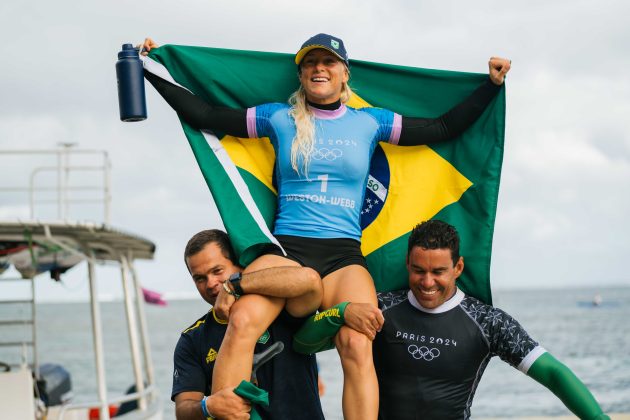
(194, 296)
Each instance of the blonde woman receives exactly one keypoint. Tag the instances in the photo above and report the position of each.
(320, 191)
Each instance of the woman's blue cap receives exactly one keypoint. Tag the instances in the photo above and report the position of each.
(325, 41)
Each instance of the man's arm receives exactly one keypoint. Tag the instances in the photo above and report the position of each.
(190, 381)
(301, 286)
(503, 330)
(224, 404)
(560, 380)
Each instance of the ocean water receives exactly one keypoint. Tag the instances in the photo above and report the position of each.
(592, 341)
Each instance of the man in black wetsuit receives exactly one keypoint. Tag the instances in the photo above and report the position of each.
(290, 378)
(436, 341)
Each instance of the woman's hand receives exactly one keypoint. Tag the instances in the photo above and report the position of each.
(498, 68)
(147, 45)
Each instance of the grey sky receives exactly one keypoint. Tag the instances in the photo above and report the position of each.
(564, 199)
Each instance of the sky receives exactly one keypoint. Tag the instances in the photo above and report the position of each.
(564, 197)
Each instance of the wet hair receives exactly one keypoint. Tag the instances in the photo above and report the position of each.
(205, 237)
(303, 144)
(435, 234)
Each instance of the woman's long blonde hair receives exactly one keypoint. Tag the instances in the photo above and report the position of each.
(304, 141)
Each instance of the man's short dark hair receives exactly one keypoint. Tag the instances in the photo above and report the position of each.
(435, 234)
(203, 238)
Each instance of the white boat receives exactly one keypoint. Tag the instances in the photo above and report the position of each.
(29, 390)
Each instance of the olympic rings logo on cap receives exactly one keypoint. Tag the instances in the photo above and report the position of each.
(423, 352)
(328, 154)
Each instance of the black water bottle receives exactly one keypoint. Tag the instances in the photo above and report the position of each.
(129, 72)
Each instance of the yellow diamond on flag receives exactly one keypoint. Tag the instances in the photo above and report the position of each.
(421, 184)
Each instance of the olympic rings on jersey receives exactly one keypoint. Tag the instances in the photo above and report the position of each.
(423, 352)
(328, 154)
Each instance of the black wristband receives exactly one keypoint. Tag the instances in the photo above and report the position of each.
(235, 282)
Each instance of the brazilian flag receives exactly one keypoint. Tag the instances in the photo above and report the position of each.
(455, 181)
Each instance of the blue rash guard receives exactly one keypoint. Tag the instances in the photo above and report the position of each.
(326, 202)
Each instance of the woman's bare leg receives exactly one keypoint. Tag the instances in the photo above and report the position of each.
(250, 316)
(360, 387)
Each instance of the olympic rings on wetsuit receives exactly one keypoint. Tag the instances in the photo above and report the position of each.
(423, 352)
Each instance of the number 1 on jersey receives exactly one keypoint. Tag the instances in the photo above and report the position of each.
(324, 179)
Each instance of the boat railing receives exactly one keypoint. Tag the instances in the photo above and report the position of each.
(150, 391)
(26, 322)
(82, 161)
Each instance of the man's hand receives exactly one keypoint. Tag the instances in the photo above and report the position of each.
(364, 317)
(225, 404)
(147, 45)
(223, 304)
(498, 68)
